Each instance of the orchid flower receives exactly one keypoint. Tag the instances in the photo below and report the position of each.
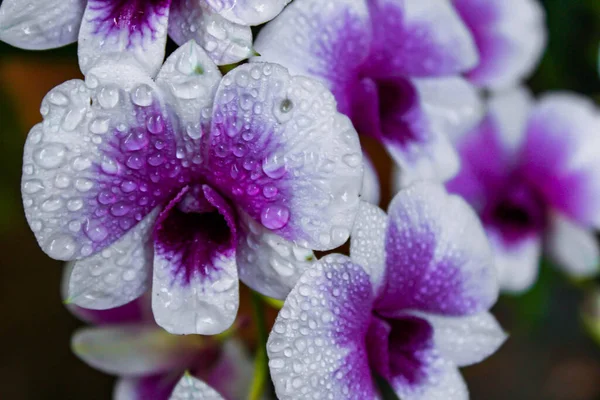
(410, 306)
(532, 172)
(394, 67)
(149, 361)
(136, 28)
(190, 388)
(188, 180)
(510, 36)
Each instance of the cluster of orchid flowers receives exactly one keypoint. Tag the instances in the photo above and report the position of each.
(164, 184)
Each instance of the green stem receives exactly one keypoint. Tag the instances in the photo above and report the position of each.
(261, 368)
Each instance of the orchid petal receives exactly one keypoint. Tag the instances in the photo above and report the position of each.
(195, 284)
(419, 38)
(93, 170)
(116, 275)
(559, 156)
(573, 248)
(466, 340)
(190, 388)
(367, 244)
(280, 150)
(268, 263)
(248, 12)
(40, 24)
(371, 190)
(131, 31)
(189, 81)
(437, 255)
(225, 42)
(517, 263)
(317, 347)
(327, 40)
(510, 35)
(131, 350)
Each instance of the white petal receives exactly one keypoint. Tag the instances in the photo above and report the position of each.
(190, 388)
(517, 263)
(40, 24)
(371, 190)
(445, 384)
(466, 340)
(130, 32)
(367, 243)
(248, 12)
(116, 275)
(189, 80)
(131, 350)
(452, 105)
(267, 262)
(574, 248)
(203, 306)
(510, 112)
(225, 42)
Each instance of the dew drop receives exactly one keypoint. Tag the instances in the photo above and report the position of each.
(275, 217)
(50, 156)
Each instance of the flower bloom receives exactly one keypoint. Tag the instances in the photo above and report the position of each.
(136, 28)
(149, 361)
(187, 180)
(510, 36)
(411, 305)
(394, 67)
(532, 172)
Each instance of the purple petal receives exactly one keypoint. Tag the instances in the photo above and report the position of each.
(105, 156)
(226, 42)
(437, 255)
(40, 24)
(124, 30)
(418, 38)
(136, 311)
(155, 387)
(280, 150)
(195, 288)
(510, 36)
(317, 347)
(559, 156)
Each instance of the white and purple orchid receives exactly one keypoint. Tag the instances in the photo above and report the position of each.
(187, 180)
(136, 28)
(149, 361)
(532, 172)
(510, 36)
(410, 305)
(395, 68)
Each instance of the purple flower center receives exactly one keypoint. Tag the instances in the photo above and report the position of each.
(194, 230)
(135, 16)
(399, 348)
(396, 99)
(517, 212)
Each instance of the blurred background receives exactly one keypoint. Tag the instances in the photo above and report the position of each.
(549, 355)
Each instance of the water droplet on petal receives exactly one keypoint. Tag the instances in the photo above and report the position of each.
(275, 217)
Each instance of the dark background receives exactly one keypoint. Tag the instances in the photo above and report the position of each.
(549, 356)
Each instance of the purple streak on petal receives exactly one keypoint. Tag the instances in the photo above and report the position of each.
(547, 162)
(132, 312)
(139, 171)
(377, 346)
(197, 226)
(341, 57)
(137, 17)
(409, 48)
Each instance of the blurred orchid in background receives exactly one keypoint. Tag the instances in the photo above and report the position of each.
(126, 341)
(532, 172)
(411, 305)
